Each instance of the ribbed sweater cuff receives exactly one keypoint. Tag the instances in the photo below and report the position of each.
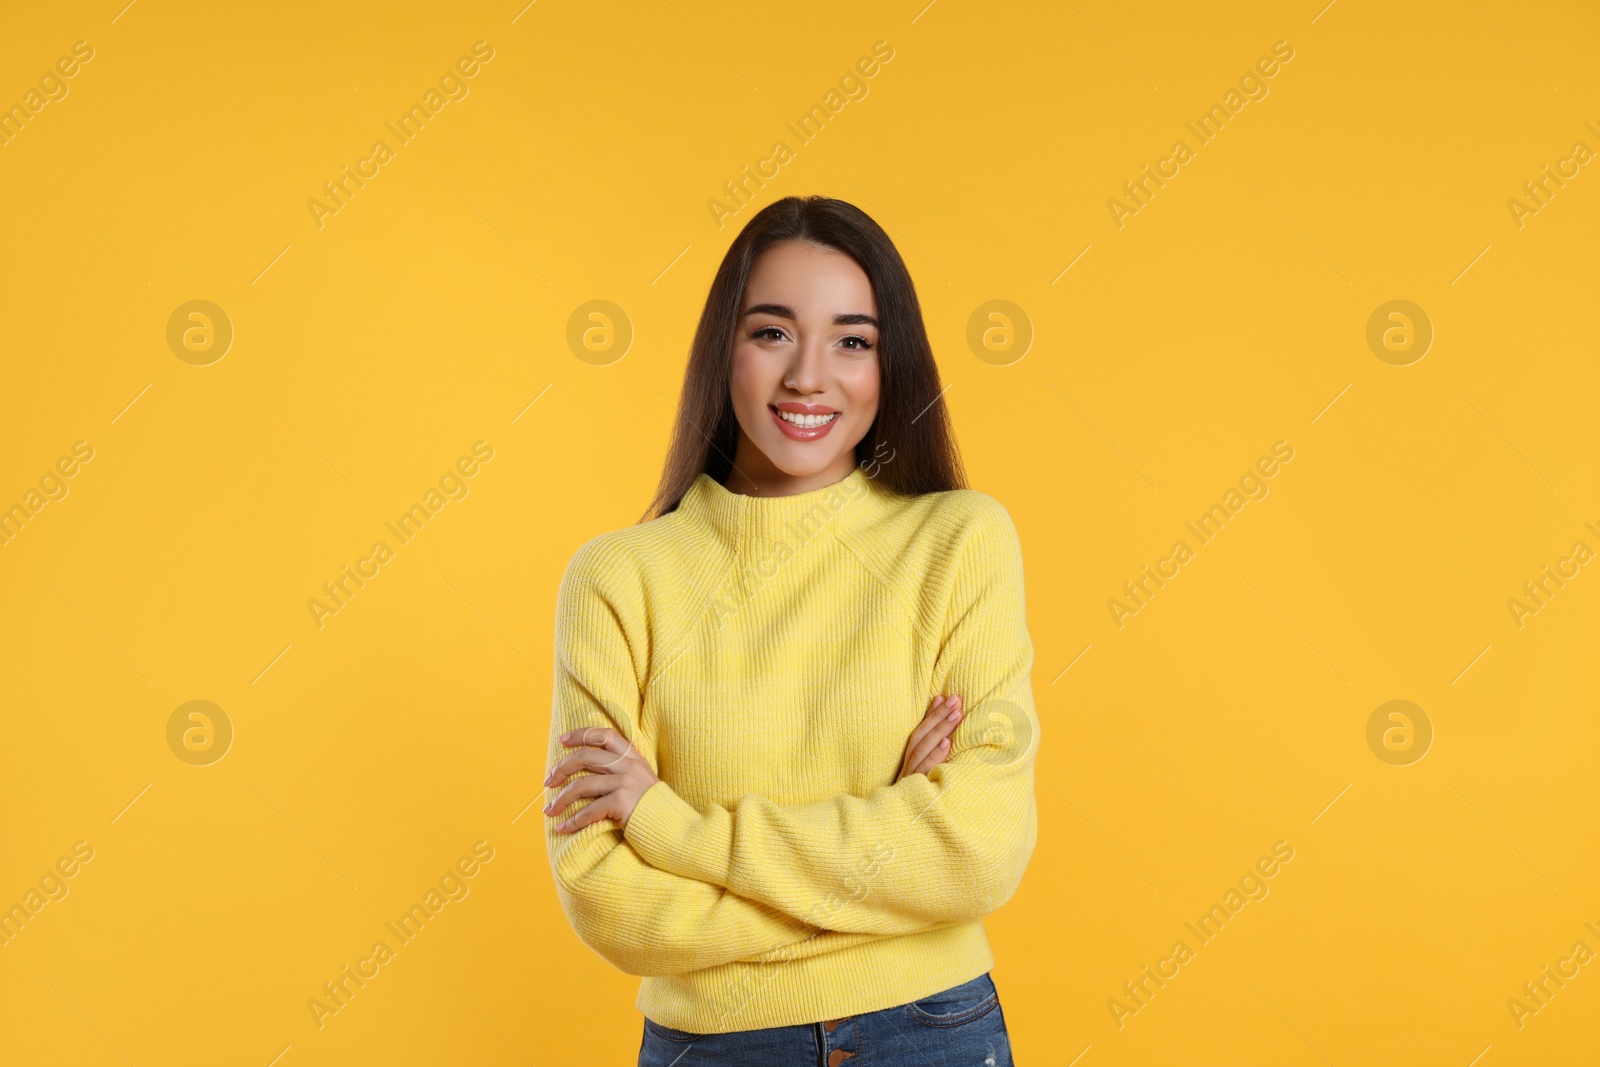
(669, 834)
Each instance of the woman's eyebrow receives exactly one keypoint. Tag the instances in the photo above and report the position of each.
(784, 311)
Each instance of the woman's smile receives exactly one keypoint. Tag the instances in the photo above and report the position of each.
(803, 422)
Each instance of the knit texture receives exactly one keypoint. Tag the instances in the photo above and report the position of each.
(769, 656)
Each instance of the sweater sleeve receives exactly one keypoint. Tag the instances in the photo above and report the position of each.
(929, 850)
(642, 919)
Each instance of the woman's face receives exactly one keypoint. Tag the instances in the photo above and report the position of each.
(806, 344)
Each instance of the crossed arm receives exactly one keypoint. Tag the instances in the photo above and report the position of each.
(645, 918)
(678, 889)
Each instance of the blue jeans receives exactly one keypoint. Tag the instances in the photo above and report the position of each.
(962, 1025)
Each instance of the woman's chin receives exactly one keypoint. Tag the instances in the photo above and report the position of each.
(799, 461)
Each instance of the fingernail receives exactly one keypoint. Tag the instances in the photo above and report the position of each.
(954, 715)
(944, 742)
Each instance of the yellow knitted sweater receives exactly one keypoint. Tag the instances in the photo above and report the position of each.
(769, 656)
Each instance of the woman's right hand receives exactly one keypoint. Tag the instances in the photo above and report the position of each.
(929, 744)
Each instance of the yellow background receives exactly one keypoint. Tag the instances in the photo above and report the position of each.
(432, 310)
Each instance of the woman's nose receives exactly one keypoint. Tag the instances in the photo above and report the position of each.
(806, 372)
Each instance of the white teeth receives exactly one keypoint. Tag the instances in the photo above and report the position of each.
(806, 422)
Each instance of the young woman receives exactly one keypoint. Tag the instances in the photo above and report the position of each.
(754, 805)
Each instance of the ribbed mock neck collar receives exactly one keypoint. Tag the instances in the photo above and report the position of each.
(745, 522)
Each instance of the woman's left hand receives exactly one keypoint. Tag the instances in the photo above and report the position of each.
(621, 775)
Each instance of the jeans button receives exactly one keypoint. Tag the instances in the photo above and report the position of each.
(838, 1056)
(833, 1024)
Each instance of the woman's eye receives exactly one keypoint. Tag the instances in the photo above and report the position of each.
(853, 342)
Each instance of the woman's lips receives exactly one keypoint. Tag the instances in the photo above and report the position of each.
(798, 433)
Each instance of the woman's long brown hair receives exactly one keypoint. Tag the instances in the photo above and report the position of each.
(910, 447)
